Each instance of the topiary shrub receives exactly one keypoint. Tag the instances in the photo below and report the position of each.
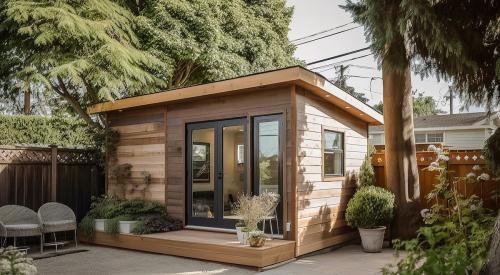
(370, 207)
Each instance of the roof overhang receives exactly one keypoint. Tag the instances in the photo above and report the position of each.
(448, 128)
(313, 82)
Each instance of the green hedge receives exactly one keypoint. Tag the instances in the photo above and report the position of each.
(38, 130)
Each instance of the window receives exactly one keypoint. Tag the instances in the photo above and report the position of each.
(436, 137)
(420, 138)
(429, 138)
(333, 153)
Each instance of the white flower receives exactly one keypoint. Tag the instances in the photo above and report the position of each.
(432, 148)
(424, 212)
(484, 177)
(473, 207)
(476, 168)
(443, 158)
(471, 175)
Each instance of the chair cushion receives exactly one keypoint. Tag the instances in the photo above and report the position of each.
(21, 226)
(63, 222)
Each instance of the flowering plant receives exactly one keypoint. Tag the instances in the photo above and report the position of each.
(13, 261)
(457, 228)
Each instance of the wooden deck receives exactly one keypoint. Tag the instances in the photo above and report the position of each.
(212, 246)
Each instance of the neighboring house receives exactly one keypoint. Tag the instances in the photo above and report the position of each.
(288, 131)
(456, 131)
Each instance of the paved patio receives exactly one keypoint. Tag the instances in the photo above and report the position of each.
(104, 260)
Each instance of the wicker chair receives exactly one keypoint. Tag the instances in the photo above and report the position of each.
(57, 217)
(19, 221)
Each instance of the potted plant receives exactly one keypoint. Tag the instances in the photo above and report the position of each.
(256, 238)
(370, 209)
(252, 210)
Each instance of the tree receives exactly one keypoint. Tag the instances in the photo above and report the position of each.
(422, 105)
(341, 82)
(209, 40)
(83, 51)
(88, 51)
(381, 19)
(454, 40)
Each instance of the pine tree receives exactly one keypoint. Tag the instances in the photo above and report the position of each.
(366, 176)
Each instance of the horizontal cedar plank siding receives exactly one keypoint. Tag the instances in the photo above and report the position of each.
(321, 202)
(141, 144)
(262, 101)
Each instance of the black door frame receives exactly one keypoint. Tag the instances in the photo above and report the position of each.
(255, 159)
(218, 126)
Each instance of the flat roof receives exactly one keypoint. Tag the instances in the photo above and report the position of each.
(297, 75)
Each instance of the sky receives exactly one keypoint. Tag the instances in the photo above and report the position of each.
(311, 16)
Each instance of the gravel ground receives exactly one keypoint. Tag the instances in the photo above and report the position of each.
(104, 260)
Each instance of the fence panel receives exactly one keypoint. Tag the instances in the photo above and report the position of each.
(460, 164)
(26, 177)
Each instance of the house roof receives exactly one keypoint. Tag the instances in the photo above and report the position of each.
(449, 122)
(297, 75)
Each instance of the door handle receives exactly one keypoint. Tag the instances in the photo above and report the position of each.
(219, 175)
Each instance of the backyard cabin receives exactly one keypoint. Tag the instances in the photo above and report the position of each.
(288, 131)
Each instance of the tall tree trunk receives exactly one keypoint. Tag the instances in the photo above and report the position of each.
(401, 168)
(27, 102)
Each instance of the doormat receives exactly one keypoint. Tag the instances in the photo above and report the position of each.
(58, 253)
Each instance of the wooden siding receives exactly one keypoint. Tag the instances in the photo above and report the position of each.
(321, 202)
(141, 144)
(258, 102)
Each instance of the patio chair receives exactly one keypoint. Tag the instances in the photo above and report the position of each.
(273, 216)
(57, 217)
(19, 221)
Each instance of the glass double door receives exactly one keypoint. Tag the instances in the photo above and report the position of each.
(216, 172)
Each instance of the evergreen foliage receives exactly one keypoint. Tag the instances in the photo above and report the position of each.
(370, 207)
(39, 130)
(422, 105)
(89, 51)
(456, 40)
(366, 176)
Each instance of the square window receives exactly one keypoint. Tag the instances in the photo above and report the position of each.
(333, 153)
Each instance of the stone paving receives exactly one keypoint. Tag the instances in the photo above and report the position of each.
(104, 260)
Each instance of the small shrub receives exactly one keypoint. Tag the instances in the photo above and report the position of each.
(15, 262)
(87, 226)
(366, 176)
(370, 207)
(253, 209)
(157, 223)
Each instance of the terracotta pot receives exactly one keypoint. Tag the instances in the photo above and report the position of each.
(372, 239)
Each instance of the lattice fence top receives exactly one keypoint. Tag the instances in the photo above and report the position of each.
(44, 155)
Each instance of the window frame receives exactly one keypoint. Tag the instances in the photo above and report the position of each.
(332, 177)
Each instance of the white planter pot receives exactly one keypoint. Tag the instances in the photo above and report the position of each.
(99, 224)
(372, 239)
(244, 237)
(239, 234)
(126, 227)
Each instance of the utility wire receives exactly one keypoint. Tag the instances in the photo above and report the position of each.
(321, 32)
(337, 56)
(332, 65)
(326, 36)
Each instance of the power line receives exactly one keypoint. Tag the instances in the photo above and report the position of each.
(326, 36)
(337, 56)
(362, 67)
(332, 65)
(321, 32)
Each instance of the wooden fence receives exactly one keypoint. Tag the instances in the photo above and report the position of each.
(460, 164)
(32, 176)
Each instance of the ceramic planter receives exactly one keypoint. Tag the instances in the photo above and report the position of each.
(126, 227)
(244, 237)
(257, 242)
(372, 239)
(239, 234)
(99, 224)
